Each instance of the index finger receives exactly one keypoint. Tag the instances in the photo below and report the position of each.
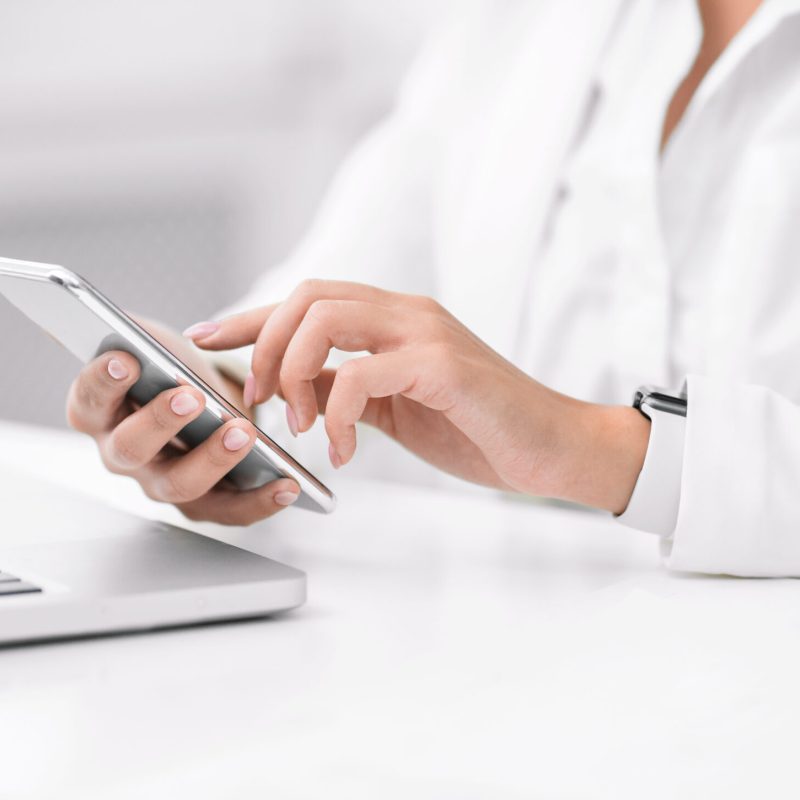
(281, 325)
(237, 330)
(96, 399)
(349, 325)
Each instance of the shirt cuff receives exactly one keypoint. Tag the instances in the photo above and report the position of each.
(654, 504)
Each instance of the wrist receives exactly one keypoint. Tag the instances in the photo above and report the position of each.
(602, 452)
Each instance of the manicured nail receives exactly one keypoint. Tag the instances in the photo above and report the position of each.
(184, 403)
(235, 439)
(201, 329)
(291, 420)
(285, 498)
(249, 390)
(117, 370)
(334, 457)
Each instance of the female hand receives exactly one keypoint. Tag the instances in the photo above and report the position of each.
(140, 442)
(436, 388)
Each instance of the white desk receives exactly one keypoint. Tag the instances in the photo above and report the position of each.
(452, 647)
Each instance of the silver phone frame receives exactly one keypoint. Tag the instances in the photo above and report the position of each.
(323, 499)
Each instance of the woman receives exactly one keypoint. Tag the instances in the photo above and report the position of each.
(606, 194)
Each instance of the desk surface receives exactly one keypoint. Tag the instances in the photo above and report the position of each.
(453, 646)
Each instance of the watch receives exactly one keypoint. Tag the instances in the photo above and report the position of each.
(659, 400)
(656, 497)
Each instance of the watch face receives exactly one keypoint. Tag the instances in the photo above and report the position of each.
(660, 400)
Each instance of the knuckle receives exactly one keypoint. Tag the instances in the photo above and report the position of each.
(121, 451)
(265, 354)
(161, 414)
(171, 488)
(321, 310)
(425, 303)
(349, 371)
(150, 491)
(263, 507)
(192, 512)
(95, 390)
(290, 372)
(219, 457)
(307, 290)
(443, 355)
(150, 486)
(112, 466)
(430, 329)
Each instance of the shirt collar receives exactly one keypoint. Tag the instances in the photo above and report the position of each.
(765, 22)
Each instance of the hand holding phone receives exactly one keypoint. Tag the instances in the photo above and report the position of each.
(153, 416)
(141, 442)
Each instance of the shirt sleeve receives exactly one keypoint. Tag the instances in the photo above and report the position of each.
(739, 509)
(721, 485)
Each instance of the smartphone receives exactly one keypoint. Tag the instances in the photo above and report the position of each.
(88, 324)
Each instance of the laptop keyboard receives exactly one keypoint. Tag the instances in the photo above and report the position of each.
(11, 584)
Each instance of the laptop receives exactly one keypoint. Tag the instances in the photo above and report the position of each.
(103, 571)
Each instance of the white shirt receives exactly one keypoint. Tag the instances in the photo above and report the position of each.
(519, 182)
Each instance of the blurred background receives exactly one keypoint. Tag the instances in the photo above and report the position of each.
(153, 147)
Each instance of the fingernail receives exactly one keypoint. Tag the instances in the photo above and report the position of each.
(334, 457)
(117, 370)
(249, 390)
(184, 403)
(201, 329)
(291, 420)
(235, 439)
(285, 498)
